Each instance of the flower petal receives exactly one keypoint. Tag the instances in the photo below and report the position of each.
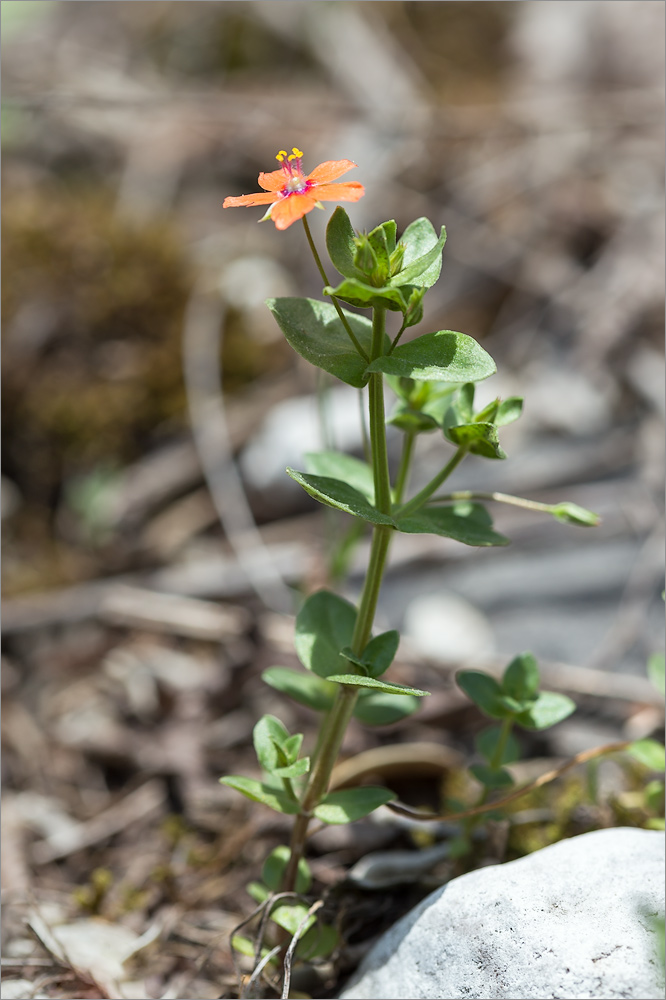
(273, 181)
(292, 208)
(247, 200)
(329, 170)
(339, 192)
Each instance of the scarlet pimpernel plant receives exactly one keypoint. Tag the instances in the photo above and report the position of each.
(433, 377)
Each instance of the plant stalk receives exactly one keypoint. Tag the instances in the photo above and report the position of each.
(343, 319)
(336, 722)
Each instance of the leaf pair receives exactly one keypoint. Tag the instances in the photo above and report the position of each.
(315, 331)
(478, 432)
(463, 521)
(517, 697)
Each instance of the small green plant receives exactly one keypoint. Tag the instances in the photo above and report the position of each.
(434, 378)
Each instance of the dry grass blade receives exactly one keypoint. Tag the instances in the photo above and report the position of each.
(544, 779)
(288, 958)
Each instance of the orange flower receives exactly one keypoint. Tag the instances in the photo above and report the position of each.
(291, 194)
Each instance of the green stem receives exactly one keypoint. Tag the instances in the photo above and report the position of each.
(499, 497)
(505, 732)
(343, 318)
(495, 763)
(380, 469)
(336, 721)
(427, 491)
(405, 465)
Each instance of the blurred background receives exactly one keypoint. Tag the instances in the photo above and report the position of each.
(154, 549)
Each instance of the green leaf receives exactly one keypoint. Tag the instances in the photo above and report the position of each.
(375, 708)
(469, 523)
(521, 678)
(443, 356)
(484, 691)
(508, 410)
(324, 626)
(480, 439)
(290, 916)
(292, 747)
(337, 465)
(340, 243)
(571, 513)
(655, 671)
(419, 239)
(294, 770)
(380, 245)
(315, 332)
(259, 792)
(267, 736)
(275, 866)
(348, 654)
(380, 652)
(243, 945)
(358, 680)
(306, 689)
(648, 752)
(424, 269)
(414, 421)
(319, 942)
(338, 494)
(258, 891)
(351, 804)
(548, 709)
(492, 777)
(487, 740)
(366, 296)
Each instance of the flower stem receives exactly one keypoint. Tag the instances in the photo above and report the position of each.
(343, 319)
(427, 491)
(499, 497)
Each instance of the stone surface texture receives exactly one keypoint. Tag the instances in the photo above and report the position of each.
(573, 920)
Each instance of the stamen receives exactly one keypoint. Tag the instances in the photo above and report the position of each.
(281, 155)
(296, 153)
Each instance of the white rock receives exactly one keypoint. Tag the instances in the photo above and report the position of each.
(571, 921)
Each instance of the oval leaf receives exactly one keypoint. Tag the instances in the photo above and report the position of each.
(421, 269)
(648, 752)
(338, 494)
(267, 736)
(484, 692)
(358, 680)
(337, 465)
(352, 804)
(521, 678)
(469, 523)
(419, 238)
(306, 689)
(275, 866)
(444, 356)
(492, 777)
(380, 652)
(548, 709)
(487, 741)
(375, 708)
(324, 626)
(340, 244)
(258, 792)
(315, 332)
(359, 293)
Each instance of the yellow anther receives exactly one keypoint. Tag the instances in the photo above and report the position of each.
(281, 155)
(296, 153)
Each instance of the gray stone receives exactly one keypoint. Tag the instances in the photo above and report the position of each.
(574, 920)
